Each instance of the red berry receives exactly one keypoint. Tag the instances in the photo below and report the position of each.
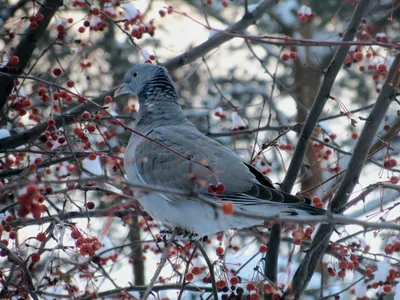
(303, 19)
(353, 258)
(85, 115)
(14, 60)
(189, 276)
(389, 249)
(263, 248)
(91, 128)
(227, 207)
(95, 11)
(234, 280)
(12, 235)
(57, 71)
(212, 188)
(285, 57)
(358, 56)
(393, 162)
(394, 180)
(41, 236)
(81, 29)
(107, 99)
(382, 68)
(354, 135)
(33, 25)
(343, 265)
(51, 122)
(32, 189)
(219, 251)
(250, 286)
(293, 55)
(196, 271)
(60, 28)
(317, 202)
(77, 131)
(70, 83)
(268, 289)
(39, 17)
(368, 271)
(35, 257)
(386, 127)
(92, 156)
(26, 102)
(90, 205)
(387, 288)
(75, 234)
(220, 188)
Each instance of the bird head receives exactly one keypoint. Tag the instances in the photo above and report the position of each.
(140, 75)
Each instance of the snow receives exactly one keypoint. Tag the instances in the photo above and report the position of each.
(4, 62)
(93, 166)
(130, 11)
(212, 33)
(382, 271)
(107, 244)
(109, 8)
(305, 10)
(4, 133)
(145, 56)
(397, 292)
(58, 20)
(237, 121)
(4, 216)
(281, 10)
(360, 289)
(252, 7)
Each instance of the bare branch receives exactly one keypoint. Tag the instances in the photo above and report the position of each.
(26, 47)
(219, 38)
(313, 257)
(322, 96)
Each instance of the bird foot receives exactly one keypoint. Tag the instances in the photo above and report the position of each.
(181, 234)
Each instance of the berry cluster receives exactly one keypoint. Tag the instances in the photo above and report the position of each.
(85, 246)
(34, 19)
(216, 188)
(305, 14)
(219, 113)
(31, 202)
(291, 55)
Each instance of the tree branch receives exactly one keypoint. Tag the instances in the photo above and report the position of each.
(320, 243)
(160, 266)
(32, 134)
(322, 96)
(219, 38)
(26, 47)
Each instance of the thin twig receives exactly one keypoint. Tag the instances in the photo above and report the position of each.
(163, 260)
(210, 268)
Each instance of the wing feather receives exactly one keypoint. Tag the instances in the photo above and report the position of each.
(157, 165)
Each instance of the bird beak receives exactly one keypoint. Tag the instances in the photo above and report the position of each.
(121, 90)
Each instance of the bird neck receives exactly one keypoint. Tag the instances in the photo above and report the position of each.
(153, 114)
(160, 88)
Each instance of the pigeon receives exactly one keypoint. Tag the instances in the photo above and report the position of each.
(218, 190)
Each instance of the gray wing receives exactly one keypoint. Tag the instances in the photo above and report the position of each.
(246, 186)
(160, 166)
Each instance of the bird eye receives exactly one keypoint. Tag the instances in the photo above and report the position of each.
(135, 74)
